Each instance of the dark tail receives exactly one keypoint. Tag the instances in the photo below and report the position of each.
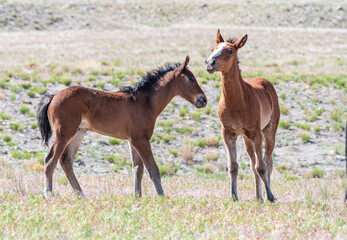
(42, 118)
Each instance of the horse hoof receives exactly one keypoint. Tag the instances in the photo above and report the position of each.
(272, 199)
(48, 195)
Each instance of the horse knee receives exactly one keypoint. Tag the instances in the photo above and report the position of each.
(261, 170)
(233, 168)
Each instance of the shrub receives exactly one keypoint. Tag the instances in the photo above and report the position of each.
(284, 109)
(7, 138)
(187, 152)
(66, 81)
(16, 127)
(284, 124)
(200, 143)
(168, 170)
(317, 173)
(212, 141)
(5, 116)
(211, 157)
(174, 152)
(24, 109)
(305, 137)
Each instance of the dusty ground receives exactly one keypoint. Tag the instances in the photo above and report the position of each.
(76, 39)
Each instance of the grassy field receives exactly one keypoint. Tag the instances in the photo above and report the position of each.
(196, 206)
(300, 46)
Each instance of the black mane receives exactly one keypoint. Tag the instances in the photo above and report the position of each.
(150, 79)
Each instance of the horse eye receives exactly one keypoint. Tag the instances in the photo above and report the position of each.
(230, 52)
(212, 50)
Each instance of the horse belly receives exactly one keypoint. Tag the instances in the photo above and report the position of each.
(104, 129)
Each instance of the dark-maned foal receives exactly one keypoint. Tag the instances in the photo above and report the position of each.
(129, 114)
(247, 107)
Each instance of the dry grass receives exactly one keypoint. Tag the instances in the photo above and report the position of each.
(194, 207)
(187, 152)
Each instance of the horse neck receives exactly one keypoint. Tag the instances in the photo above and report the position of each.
(232, 85)
(162, 96)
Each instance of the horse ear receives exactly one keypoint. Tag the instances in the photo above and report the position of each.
(182, 66)
(219, 38)
(241, 42)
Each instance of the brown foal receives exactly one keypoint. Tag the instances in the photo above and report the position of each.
(248, 108)
(129, 114)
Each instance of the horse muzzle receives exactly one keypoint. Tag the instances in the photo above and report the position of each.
(201, 101)
(211, 65)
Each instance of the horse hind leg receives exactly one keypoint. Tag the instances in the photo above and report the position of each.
(250, 151)
(269, 133)
(66, 161)
(261, 166)
(51, 161)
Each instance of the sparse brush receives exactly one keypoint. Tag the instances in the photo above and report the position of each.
(284, 124)
(243, 165)
(284, 109)
(317, 173)
(336, 114)
(174, 152)
(5, 116)
(66, 81)
(24, 109)
(185, 130)
(168, 170)
(183, 111)
(200, 143)
(6, 169)
(304, 126)
(19, 185)
(211, 157)
(207, 168)
(305, 137)
(317, 128)
(212, 142)
(187, 152)
(16, 127)
(7, 138)
(283, 168)
(168, 138)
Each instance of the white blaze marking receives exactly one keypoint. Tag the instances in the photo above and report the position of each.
(217, 51)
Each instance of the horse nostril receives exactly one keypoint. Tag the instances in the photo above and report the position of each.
(204, 99)
(213, 61)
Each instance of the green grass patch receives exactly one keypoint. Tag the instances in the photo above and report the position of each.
(114, 141)
(183, 111)
(16, 127)
(317, 172)
(304, 126)
(284, 124)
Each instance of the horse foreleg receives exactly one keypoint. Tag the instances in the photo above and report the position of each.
(233, 167)
(143, 148)
(137, 170)
(261, 166)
